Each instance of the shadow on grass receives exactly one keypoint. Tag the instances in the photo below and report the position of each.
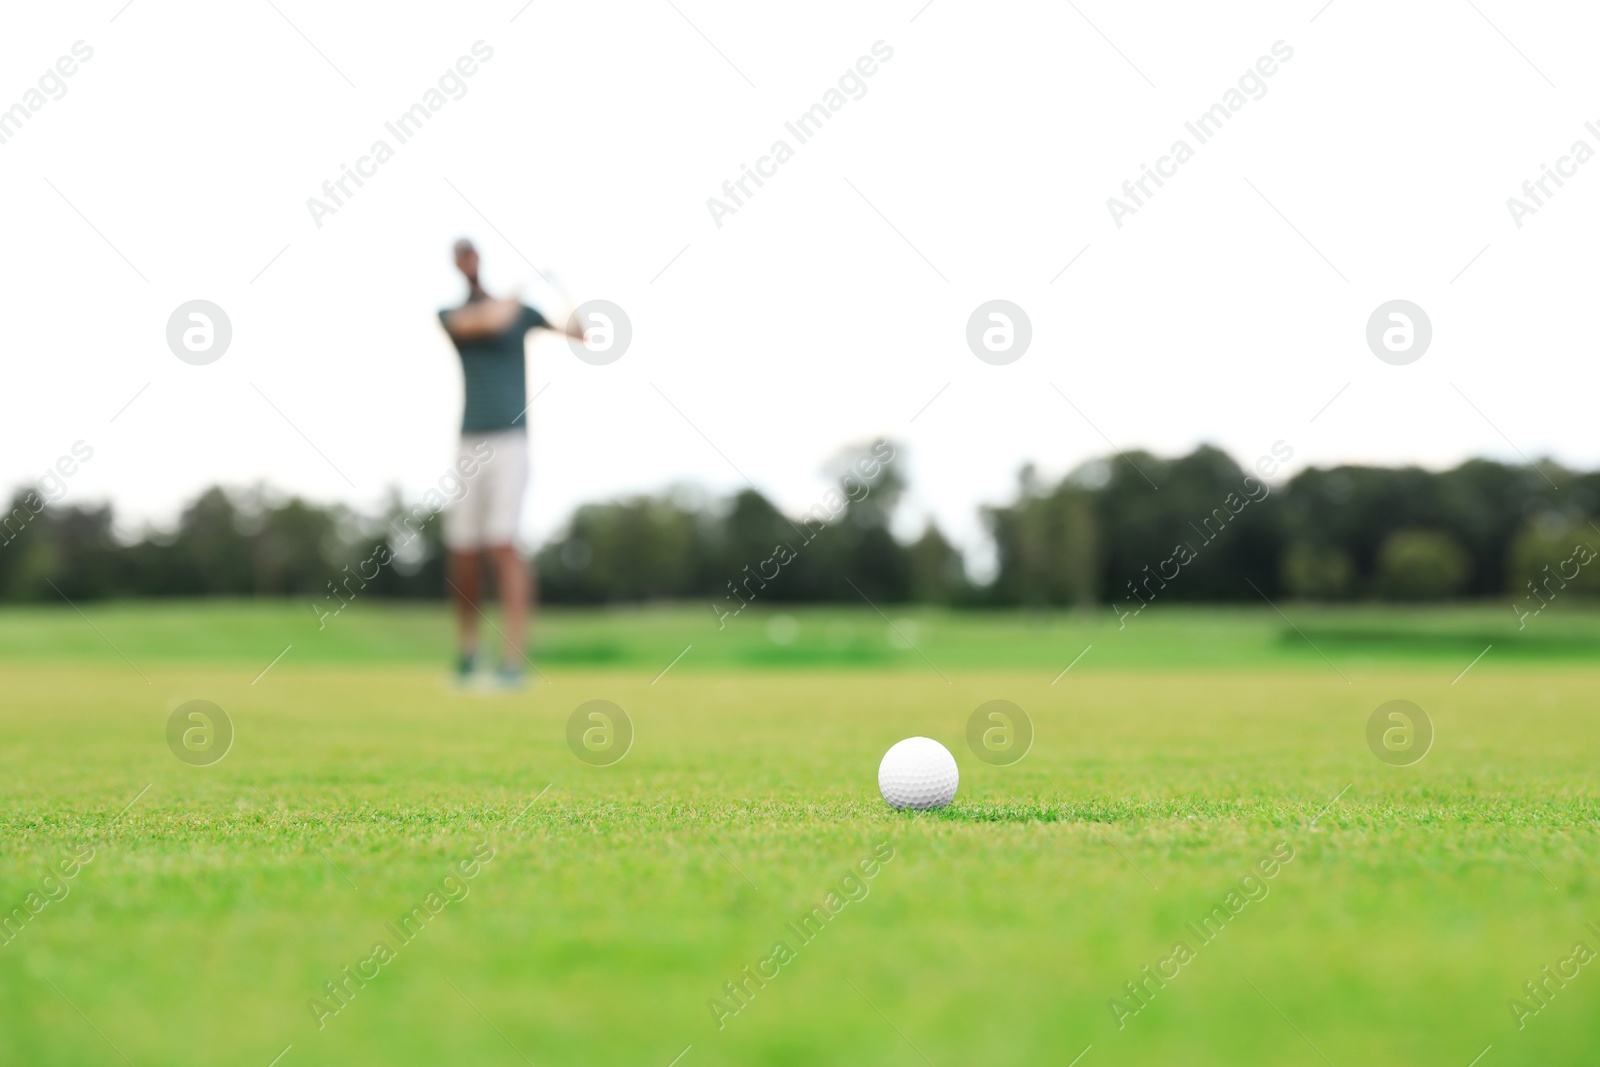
(996, 812)
(1098, 812)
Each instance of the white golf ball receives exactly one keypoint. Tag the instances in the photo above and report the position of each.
(919, 773)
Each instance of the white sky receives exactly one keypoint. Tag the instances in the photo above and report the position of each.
(990, 141)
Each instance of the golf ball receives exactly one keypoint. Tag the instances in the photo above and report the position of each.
(919, 773)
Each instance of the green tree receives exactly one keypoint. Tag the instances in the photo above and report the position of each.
(636, 549)
(1046, 544)
(1201, 507)
(290, 549)
(938, 574)
(1317, 572)
(1553, 556)
(1422, 565)
(213, 546)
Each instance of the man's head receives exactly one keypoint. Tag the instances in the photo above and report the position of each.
(467, 261)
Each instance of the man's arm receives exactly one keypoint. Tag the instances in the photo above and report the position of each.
(483, 318)
(571, 328)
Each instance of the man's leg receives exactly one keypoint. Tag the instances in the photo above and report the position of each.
(466, 591)
(514, 603)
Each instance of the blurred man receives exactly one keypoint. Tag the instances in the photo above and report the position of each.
(488, 334)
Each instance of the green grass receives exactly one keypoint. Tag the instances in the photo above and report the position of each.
(1172, 758)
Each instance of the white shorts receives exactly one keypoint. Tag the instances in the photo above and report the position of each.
(494, 470)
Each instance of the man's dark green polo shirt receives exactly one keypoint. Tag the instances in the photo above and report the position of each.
(496, 376)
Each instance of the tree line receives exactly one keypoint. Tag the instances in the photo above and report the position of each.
(1125, 530)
